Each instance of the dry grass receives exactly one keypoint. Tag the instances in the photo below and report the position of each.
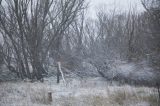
(35, 94)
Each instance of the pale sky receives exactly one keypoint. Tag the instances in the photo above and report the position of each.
(121, 5)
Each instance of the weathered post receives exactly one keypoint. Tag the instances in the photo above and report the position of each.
(158, 88)
(50, 97)
(58, 74)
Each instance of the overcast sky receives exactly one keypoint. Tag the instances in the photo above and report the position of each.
(121, 5)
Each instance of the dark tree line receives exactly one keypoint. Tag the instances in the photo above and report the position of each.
(36, 31)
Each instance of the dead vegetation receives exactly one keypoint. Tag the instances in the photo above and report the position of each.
(75, 94)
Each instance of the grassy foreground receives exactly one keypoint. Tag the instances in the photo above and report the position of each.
(75, 93)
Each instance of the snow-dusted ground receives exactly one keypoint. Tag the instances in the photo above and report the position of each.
(139, 73)
(94, 91)
(75, 92)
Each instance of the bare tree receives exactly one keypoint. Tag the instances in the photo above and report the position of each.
(33, 27)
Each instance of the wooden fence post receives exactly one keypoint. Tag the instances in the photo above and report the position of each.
(58, 74)
(50, 96)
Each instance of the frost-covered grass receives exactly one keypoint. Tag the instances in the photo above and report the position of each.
(83, 92)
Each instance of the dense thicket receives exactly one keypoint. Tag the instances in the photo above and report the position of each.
(37, 34)
(30, 28)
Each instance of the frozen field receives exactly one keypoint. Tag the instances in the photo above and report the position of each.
(75, 92)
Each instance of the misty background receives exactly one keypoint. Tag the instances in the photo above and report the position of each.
(88, 38)
(80, 52)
